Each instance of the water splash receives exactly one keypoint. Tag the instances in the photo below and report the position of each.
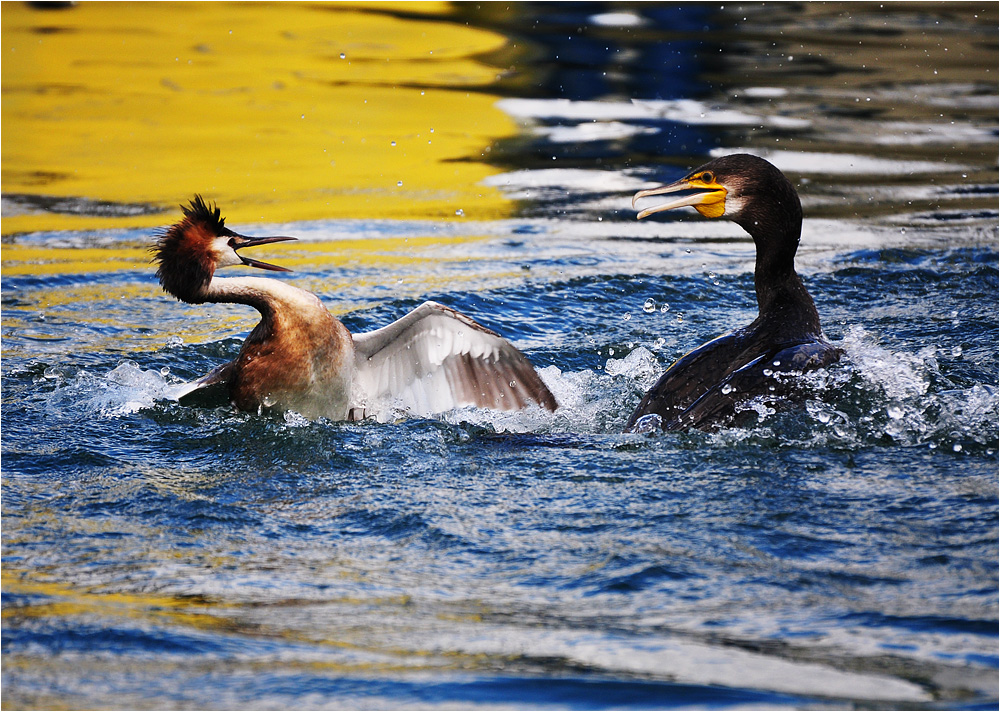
(589, 401)
(124, 390)
(878, 396)
(874, 396)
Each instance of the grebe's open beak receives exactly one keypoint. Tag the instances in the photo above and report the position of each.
(238, 242)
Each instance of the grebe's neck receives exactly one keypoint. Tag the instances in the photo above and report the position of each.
(268, 296)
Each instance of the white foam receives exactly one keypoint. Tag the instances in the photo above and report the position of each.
(124, 390)
(894, 390)
(898, 375)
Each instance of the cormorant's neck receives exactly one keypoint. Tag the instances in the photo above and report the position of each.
(775, 224)
(785, 305)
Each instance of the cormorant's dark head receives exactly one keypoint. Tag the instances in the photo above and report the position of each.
(190, 251)
(743, 188)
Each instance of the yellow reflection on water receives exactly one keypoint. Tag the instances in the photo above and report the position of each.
(278, 111)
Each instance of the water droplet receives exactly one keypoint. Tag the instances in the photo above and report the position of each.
(956, 352)
(513, 384)
(343, 56)
(626, 316)
(664, 308)
(649, 306)
(727, 389)
(823, 417)
(165, 371)
(956, 447)
(659, 342)
(768, 372)
(611, 351)
(392, 143)
(460, 212)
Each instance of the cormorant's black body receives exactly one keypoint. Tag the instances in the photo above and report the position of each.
(705, 388)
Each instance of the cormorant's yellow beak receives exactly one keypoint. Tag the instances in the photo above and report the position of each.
(710, 201)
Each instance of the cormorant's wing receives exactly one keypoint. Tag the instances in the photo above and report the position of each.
(684, 382)
(435, 359)
(209, 386)
(760, 377)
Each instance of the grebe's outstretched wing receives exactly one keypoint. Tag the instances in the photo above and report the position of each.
(435, 359)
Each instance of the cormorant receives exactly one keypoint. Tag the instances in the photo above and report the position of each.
(710, 386)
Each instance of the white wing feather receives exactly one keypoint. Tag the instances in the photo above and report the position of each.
(435, 359)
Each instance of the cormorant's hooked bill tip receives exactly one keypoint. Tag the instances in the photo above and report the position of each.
(238, 242)
(709, 198)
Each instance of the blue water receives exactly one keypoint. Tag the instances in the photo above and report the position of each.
(842, 554)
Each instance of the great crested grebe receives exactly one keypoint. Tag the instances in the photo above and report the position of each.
(300, 358)
(704, 388)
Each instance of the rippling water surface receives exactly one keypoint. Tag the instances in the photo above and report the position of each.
(839, 555)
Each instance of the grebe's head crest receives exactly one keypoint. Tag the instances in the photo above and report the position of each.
(211, 217)
(190, 251)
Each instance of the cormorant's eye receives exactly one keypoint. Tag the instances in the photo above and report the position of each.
(707, 177)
